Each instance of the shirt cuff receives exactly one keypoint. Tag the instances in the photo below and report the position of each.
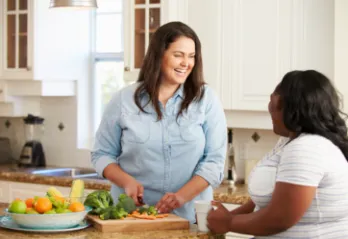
(101, 164)
(211, 178)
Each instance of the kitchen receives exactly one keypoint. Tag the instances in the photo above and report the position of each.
(247, 47)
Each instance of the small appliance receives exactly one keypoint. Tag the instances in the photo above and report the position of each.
(32, 154)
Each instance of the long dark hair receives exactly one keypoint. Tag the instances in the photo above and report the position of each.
(311, 105)
(150, 73)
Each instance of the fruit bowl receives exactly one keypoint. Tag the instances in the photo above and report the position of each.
(49, 221)
(55, 218)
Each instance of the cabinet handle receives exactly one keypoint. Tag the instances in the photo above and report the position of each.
(126, 68)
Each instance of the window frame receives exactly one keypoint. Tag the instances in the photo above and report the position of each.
(96, 57)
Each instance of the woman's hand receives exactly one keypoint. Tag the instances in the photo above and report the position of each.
(219, 219)
(169, 202)
(134, 190)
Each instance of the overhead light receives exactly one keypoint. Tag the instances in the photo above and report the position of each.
(73, 4)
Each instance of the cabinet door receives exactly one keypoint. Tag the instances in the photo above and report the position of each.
(262, 40)
(141, 20)
(16, 39)
(256, 41)
(208, 30)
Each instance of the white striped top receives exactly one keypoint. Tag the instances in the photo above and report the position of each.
(309, 160)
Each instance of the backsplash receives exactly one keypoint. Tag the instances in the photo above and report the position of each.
(60, 137)
(60, 133)
(250, 146)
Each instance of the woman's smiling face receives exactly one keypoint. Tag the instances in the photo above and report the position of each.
(178, 61)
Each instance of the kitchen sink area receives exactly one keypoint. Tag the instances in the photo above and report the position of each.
(84, 173)
(67, 172)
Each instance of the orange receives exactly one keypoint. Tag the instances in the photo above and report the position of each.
(43, 205)
(76, 207)
(59, 199)
(29, 202)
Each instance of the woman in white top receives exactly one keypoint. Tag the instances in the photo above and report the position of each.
(300, 189)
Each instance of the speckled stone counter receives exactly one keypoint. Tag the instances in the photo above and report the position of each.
(236, 194)
(92, 233)
(225, 193)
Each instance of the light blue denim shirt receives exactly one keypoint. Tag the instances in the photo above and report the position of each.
(163, 155)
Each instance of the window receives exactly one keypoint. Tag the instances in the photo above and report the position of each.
(108, 57)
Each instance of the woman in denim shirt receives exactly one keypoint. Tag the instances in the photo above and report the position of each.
(162, 140)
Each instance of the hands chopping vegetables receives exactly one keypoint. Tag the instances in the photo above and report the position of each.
(102, 205)
(135, 190)
(169, 202)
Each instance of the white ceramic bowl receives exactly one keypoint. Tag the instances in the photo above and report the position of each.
(49, 221)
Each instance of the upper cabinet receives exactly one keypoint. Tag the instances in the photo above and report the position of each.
(263, 40)
(141, 20)
(43, 53)
(16, 39)
(42, 44)
(249, 45)
(341, 50)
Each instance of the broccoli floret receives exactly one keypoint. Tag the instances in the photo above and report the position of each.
(126, 202)
(106, 214)
(143, 209)
(152, 210)
(105, 198)
(118, 213)
(99, 200)
(97, 211)
(94, 202)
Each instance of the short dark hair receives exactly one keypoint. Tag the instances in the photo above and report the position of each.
(150, 72)
(311, 104)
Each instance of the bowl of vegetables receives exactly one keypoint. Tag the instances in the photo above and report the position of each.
(51, 211)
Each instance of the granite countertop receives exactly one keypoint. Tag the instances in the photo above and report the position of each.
(92, 233)
(226, 193)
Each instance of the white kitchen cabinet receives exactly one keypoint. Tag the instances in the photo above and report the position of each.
(40, 43)
(12, 190)
(262, 40)
(43, 53)
(249, 45)
(16, 38)
(341, 50)
(141, 19)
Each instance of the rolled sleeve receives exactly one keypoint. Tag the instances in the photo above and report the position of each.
(107, 146)
(211, 166)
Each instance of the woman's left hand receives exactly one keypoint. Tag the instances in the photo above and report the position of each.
(219, 219)
(169, 202)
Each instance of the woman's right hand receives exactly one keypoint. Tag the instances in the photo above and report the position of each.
(132, 187)
(134, 190)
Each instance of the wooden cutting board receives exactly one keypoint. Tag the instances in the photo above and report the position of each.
(172, 222)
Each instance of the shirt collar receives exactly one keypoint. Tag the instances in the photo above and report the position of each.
(179, 92)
